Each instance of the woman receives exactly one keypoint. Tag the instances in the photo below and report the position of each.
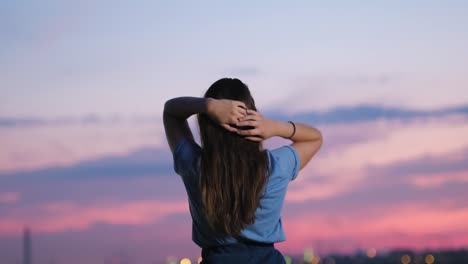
(235, 187)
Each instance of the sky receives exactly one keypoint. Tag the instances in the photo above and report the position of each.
(84, 162)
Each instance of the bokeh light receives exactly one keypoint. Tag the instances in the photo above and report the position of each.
(171, 260)
(405, 259)
(316, 260)
(430, 259)
(308, 255)
(371, 252)
(185, 261)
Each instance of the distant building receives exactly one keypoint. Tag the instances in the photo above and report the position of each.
(26, 246)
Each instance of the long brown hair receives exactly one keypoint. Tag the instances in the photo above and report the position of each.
(233, 170)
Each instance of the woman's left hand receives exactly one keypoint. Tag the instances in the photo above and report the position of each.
(226, 112)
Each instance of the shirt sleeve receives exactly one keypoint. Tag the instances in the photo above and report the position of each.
(288, 160)
(185, 157)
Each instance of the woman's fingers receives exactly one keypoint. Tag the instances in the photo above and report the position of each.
(238, 116)
(252, 112)
(257, 139)
(240, 110)
(251, 115)
(250, 132)
(241, 104)
(252, 123)
(229, 128)
(248, 117)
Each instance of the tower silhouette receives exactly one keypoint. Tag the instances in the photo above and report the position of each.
(26, 246)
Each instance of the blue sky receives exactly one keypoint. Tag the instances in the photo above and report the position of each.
(73, 58)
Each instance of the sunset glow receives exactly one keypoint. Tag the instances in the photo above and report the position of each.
(84, 161)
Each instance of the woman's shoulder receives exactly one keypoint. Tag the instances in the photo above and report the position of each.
(186, 154)
(284, 161)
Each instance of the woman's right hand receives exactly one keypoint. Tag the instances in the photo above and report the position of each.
(261, 127)
(226, 112)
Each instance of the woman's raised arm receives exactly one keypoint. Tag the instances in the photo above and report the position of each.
(307, 140)
(178, 110)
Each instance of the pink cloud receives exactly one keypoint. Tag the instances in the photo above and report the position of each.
(412, 226)
(60, 216)
(45, 146)
(9, 197)
(336, 173)
(438, 179)
(400, 141)
(345, 166)
(303, 191)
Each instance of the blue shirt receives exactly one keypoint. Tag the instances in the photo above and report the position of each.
(284, 167)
